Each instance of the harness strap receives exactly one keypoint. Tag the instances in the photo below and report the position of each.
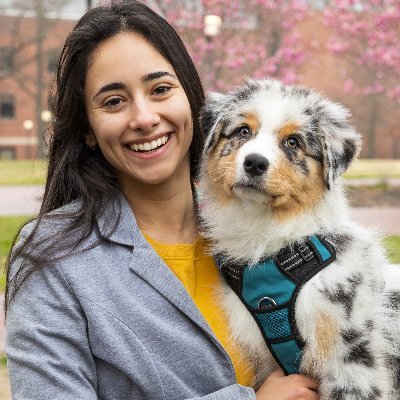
(269, 290)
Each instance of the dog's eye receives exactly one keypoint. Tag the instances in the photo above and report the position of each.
(292, 142)
(243, 131)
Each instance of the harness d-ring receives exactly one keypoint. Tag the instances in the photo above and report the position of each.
(266, 298)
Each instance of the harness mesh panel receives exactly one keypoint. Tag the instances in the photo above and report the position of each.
(275, 323)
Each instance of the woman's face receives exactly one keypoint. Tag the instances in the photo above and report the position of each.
(138, 111)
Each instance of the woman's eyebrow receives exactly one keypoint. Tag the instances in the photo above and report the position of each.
(156, 75)
(109, 87)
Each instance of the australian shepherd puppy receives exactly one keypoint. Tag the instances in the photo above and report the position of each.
(269, 180)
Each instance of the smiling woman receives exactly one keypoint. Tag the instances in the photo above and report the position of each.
(110, 290)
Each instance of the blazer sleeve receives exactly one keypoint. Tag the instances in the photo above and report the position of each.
(46, 341)
(233, 392)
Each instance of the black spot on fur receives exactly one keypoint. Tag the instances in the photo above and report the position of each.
(340, 242)
(233, 143)
(308, 111)
(314, 143)
(337, 123)
(393, 300)
(369, 325)
(296, 159)
(351, 335)
(394, 365)
(349, 151)
(340, 393)
(300, 92)
(344, 294)
(361, 353)
(302, 164)
(246, 92)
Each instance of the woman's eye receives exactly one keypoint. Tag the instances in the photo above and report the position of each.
(292, 142)
(159, 90)
(244, 131)
(113, 102)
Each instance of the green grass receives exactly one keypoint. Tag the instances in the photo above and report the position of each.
(392, 244)
(3, 360)
(381, 169)
(8, 228)
(22, 172)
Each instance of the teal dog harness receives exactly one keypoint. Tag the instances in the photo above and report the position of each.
(269, 290)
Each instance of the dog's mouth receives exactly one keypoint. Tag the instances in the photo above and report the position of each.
(248, 187)
(254, 192)
(250, 192)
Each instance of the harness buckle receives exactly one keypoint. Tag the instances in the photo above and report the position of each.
(271, 302)
(305, 252)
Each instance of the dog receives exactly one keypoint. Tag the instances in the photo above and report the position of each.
(270, 180)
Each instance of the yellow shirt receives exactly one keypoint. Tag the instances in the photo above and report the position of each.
(199, 275)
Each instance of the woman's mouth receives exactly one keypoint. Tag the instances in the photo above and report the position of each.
(149, 146)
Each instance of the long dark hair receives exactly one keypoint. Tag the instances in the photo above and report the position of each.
(75, 171)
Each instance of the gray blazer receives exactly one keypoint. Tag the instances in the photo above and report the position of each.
(113, 322)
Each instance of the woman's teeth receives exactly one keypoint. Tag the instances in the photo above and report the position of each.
(150, 145)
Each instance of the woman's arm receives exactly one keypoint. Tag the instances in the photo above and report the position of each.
(46, 341)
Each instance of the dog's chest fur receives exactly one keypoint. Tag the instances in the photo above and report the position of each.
(269, 178)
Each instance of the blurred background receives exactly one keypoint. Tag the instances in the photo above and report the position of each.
(347, 49)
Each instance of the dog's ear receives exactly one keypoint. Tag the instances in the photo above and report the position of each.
(211, 119)
(342, 143)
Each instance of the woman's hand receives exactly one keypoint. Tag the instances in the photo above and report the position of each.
(278, 386)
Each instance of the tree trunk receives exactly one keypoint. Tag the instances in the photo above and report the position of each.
(371, 128)
(40, 126)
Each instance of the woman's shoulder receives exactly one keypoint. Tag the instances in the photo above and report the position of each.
(52, 222)
(76, 226)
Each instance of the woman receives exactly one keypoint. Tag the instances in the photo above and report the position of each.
(107, 295)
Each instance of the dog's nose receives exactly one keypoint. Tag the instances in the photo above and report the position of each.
(255, 165)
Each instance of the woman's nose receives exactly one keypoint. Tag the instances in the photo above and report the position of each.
(144, 116)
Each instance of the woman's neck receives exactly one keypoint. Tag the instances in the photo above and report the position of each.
(165, 212)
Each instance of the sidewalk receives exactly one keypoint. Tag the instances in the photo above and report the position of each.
(384, 219)
(20, 200)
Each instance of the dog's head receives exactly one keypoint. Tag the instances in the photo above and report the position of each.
(282, 146)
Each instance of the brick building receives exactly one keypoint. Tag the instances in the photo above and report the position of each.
(24, 108)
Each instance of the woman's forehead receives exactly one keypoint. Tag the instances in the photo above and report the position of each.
(128, 56)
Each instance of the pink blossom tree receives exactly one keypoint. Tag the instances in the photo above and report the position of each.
(367, 35)
(257, 38)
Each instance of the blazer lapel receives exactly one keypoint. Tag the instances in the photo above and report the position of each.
(145, 261)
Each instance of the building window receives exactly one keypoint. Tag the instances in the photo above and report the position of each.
(7, 153)
(7, 106)
(52, 60)
(6, 60)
